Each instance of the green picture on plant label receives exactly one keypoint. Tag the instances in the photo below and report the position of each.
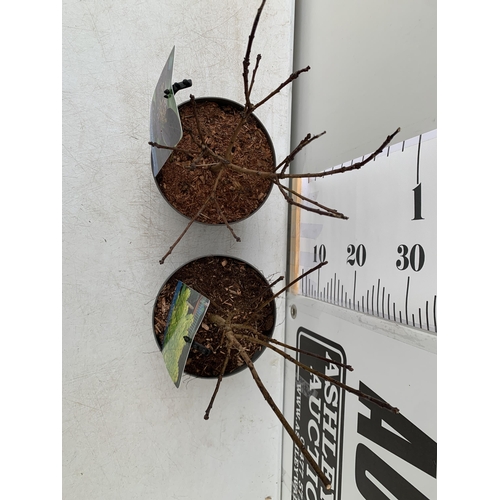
(187, 311)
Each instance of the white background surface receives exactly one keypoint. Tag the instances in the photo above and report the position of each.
(373, 69)
(128, 433)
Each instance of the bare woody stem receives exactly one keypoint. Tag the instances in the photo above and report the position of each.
(282, 175)
(323, 210)
(246, 86)
(275, 282)
(209, 198)
(173, 148)
(221, 213)
(343, 169)
(228, 154)
(221, 322)
(259, 57)
(162, 260)
(263, 340)
(302, 144)
(197, 119)
(246, 59)
(266, 302)
(219, 380)
(347, 388)
(302, 447)
(289, 80)
(216, 319)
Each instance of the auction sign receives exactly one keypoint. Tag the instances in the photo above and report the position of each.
(319, 417)
(366, 451)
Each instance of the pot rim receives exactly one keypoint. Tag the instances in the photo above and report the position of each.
(223, 100)
(273, 303)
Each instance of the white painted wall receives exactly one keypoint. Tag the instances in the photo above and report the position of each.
(128, 433)
(373, 69)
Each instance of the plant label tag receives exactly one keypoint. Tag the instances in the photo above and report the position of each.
(164, 122)
(185, 316)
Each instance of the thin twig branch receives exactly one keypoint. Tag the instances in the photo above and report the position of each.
(289, 80)
(221, 213)
(162, 260)
(257, 61)
(302, 447)
(204, 149)
(246, 59)
(379, 402)
(329, 212)
(302, 144)
(264, 340)
(173, 148)
(341, 170)
(197, 120)
(303, 275)
(209, 198)
(276, 281)
(219, 380)
(282, 175)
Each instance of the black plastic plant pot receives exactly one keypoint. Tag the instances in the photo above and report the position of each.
(236, 289)
(185, 187)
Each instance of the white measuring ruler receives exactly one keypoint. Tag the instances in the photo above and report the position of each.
(382, 260)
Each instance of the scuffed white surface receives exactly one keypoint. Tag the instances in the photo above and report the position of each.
(127, 432)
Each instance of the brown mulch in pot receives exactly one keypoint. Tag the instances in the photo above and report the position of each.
(235, 290)
(239, 195)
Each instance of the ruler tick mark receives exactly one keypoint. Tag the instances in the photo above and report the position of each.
(418, 159)
(406, 299)
(435, 322)
(378, 290)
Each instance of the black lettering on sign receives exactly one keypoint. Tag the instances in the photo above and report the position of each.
(322, 253)
(319, 417)
(369, 462)
(415, 260)
(417, 203)
(415, 447)
(356, 255)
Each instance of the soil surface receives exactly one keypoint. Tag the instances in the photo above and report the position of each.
(235, 290)
(238, 195)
